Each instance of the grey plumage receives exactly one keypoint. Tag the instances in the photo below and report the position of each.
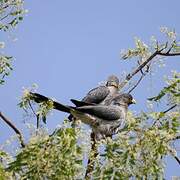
(104, 120)
(100, 95)
(103, 108)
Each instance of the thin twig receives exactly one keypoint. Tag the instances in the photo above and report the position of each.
(176, 158)
(140, 79)
(37, 116)
(10, 124)
(4, 17)
(168, 54)
(172, 107)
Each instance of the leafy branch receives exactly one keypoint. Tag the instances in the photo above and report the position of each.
(145, 55)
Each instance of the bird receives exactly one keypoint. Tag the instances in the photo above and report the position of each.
(99, 95)
(103, 119)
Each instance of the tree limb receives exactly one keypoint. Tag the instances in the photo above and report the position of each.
(10, 124)
(93, 155)
(172, 107)
(4, 17)
(176, 158)
(140, 79)
(130, 75)
(141, 66)
(168, 54)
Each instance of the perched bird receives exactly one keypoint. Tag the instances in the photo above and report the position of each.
(103, 119)
(100, 95)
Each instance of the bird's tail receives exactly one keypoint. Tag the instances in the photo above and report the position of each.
(58, 106)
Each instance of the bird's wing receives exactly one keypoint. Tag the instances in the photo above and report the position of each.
(58, 106)
(96, 95)
(108, 113)
(81, 103)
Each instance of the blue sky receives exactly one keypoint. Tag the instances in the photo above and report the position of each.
(68, 47)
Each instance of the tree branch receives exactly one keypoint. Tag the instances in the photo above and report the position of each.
(168, 54)
(141, 66)
(10, 124)
(176, 158)
(4, 17)
(93, 155)
(172, 107)
(140, 79)
(37, 116)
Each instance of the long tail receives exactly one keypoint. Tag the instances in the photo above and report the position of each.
(58, 106)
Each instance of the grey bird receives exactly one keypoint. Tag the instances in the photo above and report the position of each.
(100, 95)
(104, 120)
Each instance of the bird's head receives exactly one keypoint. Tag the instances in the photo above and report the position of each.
(113, 81)
(124, 99)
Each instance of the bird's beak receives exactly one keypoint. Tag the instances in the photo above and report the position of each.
(133, 101)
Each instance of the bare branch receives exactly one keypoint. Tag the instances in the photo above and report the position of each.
(4, 17)
(172, 107)
(176, 158)
(37, 116)
(140, 79)
(168, 54)
(172, 45)
(10, 124)
(130, 75)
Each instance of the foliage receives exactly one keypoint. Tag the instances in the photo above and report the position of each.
(43, 108)
(143, 51)
(172, 90)
(3, 160)
(5, 67)
(139, 149)
(136, 151)
(11, 13)
(50, 157)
